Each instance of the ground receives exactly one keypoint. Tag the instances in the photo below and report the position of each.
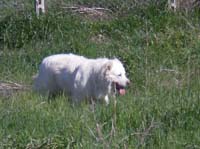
(159, 48)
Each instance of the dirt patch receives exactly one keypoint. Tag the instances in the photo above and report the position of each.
(99, 39)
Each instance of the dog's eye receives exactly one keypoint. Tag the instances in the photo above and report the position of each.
(119, 75)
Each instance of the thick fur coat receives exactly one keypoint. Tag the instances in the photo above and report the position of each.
(80, 77)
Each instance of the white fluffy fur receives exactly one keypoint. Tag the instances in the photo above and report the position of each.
(80, 77)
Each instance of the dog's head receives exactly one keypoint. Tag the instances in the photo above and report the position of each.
(114, 72)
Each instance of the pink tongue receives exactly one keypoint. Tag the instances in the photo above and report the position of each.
(122, 92)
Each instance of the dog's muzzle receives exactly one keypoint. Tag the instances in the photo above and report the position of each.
(120, 89)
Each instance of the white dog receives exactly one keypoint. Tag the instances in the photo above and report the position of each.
(81, 78)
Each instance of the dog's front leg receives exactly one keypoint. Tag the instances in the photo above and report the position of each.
(106, 99)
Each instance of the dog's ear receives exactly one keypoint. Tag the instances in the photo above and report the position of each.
(107, 67)
(105, 70)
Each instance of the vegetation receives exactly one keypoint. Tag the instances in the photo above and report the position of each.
(159, 48)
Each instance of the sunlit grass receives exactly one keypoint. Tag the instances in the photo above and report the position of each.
(160, 51)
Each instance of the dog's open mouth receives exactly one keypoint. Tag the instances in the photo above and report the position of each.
(120, 89)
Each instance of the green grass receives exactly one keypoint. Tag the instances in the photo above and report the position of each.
(160, 50)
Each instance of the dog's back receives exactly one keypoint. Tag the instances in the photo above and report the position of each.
(50, 75)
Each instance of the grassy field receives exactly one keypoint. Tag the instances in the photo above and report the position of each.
(159, 48)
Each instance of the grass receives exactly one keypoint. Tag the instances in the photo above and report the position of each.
(160, 50)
